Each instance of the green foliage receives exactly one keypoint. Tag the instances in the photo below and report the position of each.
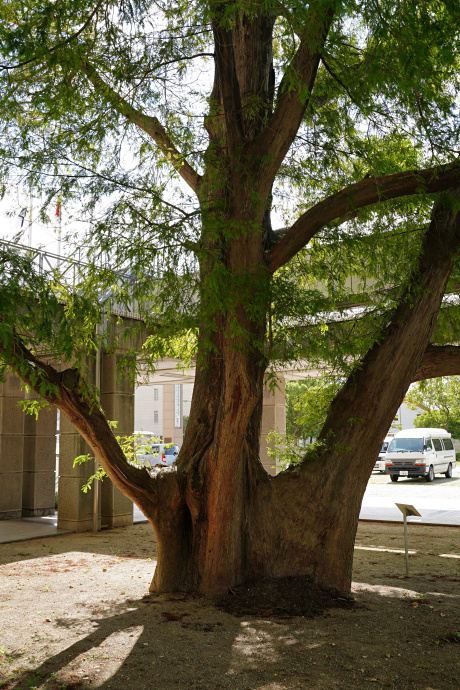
(33, 407)
(134, 446)
(384, 101)
(307, 404)
(285, 451)
(97, 476)
(185, 419)
(441, 399)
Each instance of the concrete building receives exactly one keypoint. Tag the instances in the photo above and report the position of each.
(175, 390)
(157, 408)
(148, 409)
(405, 418)
(27, 456)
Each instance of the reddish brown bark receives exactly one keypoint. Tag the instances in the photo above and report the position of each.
(219, 518)
(439, 360)
(246, 524)
(359, 195)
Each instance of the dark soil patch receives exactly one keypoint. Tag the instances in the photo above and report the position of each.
(453, 638)
(283, 597)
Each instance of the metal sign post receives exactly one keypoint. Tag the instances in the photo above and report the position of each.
(407, 511)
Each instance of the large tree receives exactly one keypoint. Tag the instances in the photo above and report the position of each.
(175, 129)
(440, 398)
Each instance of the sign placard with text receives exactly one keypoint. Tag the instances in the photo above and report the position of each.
(177, 401)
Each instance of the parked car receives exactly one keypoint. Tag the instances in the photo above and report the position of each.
(161, 454)
(420, 453)
(151, 451)
(380, 462)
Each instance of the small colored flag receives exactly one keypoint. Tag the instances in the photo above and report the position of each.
(22, 215)
(58, 208)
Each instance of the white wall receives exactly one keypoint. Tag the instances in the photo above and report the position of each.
(404, 418)
(145, 407)
(187, 390)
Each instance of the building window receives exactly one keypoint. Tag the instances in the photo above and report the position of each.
(155, 393)
(155, 417)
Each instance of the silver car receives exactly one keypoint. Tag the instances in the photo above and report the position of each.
(161, 454)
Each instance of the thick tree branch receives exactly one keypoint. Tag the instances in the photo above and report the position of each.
(150, 125)
(66, 391)
(229, 88)
(294, 91)
(364, 193)
(439, 360)
(363, 409)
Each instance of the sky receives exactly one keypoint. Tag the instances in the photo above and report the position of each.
(15, 224)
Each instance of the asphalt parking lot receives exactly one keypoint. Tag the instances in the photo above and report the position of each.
(438, 501)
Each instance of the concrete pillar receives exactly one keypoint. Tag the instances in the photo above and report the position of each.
(273, 418)
(75, 511)
(75, 508)
(11, 448)
(38, 487)
(117, 398)
(172, 399)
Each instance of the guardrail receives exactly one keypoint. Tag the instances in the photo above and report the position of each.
(72, 270)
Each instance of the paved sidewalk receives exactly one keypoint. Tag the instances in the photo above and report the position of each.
(438, 504)
(29, 528)
(437, 501)
(429, 516)
(37, 528)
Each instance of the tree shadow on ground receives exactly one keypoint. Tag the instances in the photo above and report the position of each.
(400, 633)
(185, 642)
(140, 544)
(148, 642)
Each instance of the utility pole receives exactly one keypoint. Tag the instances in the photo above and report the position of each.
(59, 215)
(30, 216)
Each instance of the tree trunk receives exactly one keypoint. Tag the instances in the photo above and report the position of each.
(244, 524)
(219, 519)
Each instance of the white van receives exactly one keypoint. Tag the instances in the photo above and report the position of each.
(420, 453)
(380, 462)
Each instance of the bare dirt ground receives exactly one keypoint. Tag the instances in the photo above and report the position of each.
(75, 613)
